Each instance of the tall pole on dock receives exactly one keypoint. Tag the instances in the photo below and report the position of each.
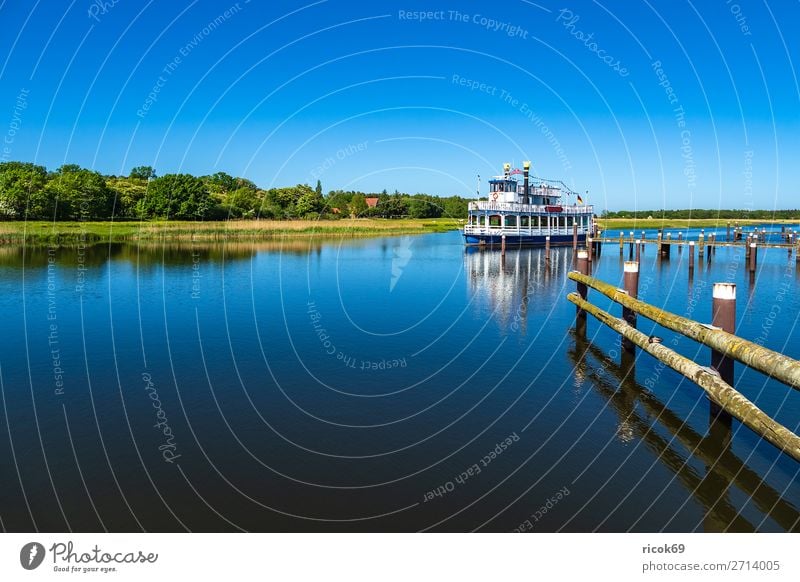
(631, 286)
(723, 316)
(575, 237)
(753, 256)
(547, 248)
(691, 256)
(582, 265)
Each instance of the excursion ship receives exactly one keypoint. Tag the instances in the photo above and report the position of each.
(527, 213)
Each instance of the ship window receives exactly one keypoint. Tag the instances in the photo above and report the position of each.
(494, 220)
(525, 221)
(511, 221)
(481, 220)
(570, 220)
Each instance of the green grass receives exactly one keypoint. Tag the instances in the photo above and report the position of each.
(39, 232)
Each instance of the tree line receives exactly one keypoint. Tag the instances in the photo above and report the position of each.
(30, 191)
(733, 214)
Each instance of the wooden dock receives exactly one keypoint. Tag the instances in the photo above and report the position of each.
(717, 380)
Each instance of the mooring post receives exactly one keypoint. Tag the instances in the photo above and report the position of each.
(723, 316)
(728, 233)
(680, 237)
(503, 245)
(747, 249)
(753, 256)
(621, 243)
(639, 246)
(797, 251)
(575, 238)
(700, 243)
(691, 256)
(590, 247)
(582, 265)
(631, 285)
(547, 248)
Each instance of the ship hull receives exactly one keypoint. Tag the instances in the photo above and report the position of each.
(536, 240)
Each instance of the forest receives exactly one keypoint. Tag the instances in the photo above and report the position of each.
(31, 192)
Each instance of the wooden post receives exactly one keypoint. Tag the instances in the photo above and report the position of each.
(547, 248)
(582, 265)
(680, 236)
(700, 244)
(772, 363)
(723, 316)
(621, 243)
(734, 402)
(691, 256)
(753, 256)
(503, 245)
(575, 237)
(747, 249)
(638, 250)
(631, 284)
(728, 233)
(589, 247)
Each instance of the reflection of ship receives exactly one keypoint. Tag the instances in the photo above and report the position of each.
(506, 284)
(527, 213)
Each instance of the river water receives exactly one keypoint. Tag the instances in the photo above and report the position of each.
(387, 384)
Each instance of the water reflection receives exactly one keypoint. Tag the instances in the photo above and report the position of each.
(642, 416)
(154, 253)
(508, 284)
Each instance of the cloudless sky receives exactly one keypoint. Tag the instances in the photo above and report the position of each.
(364, 95)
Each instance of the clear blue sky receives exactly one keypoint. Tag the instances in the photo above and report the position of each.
(368, 96)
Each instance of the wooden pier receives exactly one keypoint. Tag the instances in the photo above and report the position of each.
(717, 380)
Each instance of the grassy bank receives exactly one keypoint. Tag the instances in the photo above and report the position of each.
(612, 224)
(38, 232)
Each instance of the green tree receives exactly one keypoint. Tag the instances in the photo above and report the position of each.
(358, 205)
(19, 183)
(309, 202)
(142, 173)
(180, 196)
(128, 192)
(79, 194)
(319, 189)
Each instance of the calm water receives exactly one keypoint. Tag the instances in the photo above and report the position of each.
(385, 384)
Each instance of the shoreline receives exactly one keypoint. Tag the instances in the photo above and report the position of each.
(98, 232)
(94, 232)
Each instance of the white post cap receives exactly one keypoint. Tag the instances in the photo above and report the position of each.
(725, 291)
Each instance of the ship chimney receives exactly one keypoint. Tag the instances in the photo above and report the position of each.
(506, 169)
(526, 166)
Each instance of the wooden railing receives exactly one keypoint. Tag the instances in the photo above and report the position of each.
(726, 347)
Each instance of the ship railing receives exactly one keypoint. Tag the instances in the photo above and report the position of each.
(530, 208)
(523, 230)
